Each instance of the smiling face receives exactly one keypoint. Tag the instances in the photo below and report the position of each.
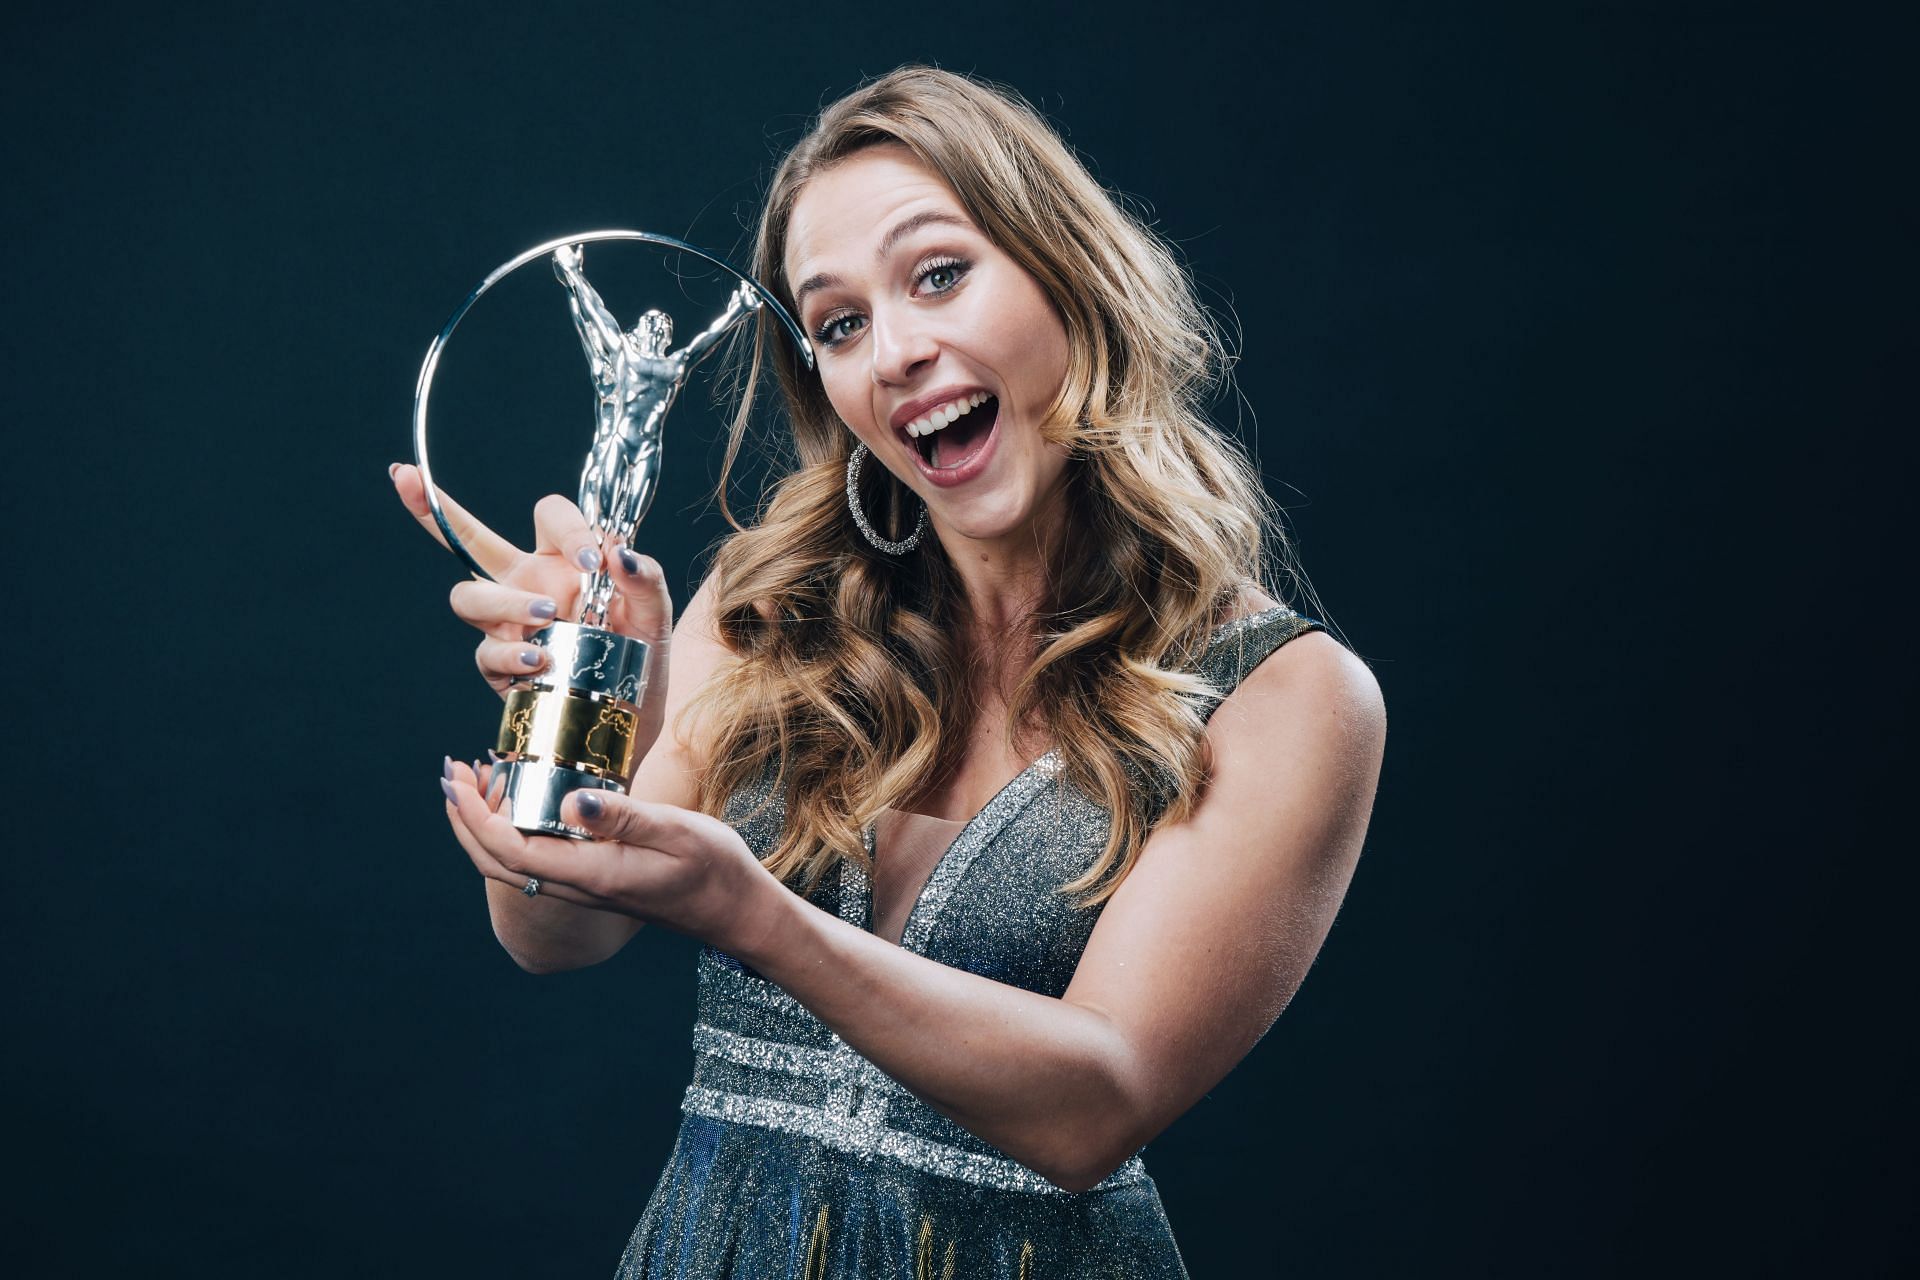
(937, 349)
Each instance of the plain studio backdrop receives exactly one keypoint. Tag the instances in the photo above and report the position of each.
(1567, 339)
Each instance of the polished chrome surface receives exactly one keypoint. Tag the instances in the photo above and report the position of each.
(599, 662)
(637, 375)
(531, 792)
(423, 388)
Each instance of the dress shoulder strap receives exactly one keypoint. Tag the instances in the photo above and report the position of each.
(1243, 644)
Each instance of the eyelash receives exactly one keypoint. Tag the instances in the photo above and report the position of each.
(958, 266)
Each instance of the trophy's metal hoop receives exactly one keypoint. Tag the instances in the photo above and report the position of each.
(499, 273)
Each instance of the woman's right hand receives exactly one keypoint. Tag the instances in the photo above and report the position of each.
(532, 588)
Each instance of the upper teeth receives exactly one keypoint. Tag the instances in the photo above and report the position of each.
(946, 413)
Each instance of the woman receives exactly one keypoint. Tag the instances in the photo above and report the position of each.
(1008, 822)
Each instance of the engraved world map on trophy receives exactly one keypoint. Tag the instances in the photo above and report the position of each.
(572, 725)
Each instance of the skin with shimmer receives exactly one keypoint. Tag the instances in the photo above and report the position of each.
(1212, 931)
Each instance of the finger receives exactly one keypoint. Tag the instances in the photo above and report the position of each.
(505, 660)
(559, 526)
(483, 861)
(484, 778)
(493, 553)
(612, 816)
(646, 611)
(492, 870)
(491, 605)
(500, 851)
(646, 604)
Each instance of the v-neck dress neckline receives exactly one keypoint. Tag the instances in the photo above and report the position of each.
(856, 888)
(977, 832)
(907, 846)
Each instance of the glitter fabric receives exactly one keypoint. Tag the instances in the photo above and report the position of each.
(797, 1157)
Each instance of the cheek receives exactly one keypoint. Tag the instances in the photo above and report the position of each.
(847, 395)
(1039, 343)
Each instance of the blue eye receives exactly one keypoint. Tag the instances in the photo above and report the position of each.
(836, 329)
(944, 275)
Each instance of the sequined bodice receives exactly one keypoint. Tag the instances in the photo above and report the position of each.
(990, 907)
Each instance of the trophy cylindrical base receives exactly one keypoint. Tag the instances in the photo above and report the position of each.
(572, 727)
(531, 792)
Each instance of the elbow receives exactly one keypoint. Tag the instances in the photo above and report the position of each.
(1105, 1123)
(1085, 1171)
(529, 962)
(537, 960)
(1090, 1151)
(1075, 1183)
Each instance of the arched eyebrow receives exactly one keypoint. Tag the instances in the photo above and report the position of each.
(907, 226)
(901, 230)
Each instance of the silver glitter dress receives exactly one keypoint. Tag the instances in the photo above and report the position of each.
(799, 1158)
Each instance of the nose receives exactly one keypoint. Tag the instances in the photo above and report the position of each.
(902, 347)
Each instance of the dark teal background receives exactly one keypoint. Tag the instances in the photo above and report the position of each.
(1575, 340)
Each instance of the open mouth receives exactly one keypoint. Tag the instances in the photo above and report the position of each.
(946, 444)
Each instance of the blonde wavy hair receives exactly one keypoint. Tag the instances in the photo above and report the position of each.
(847, 680)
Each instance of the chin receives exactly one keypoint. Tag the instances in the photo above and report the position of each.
(986, 517)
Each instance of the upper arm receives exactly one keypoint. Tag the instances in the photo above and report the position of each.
(1215, 926)
(671, 771)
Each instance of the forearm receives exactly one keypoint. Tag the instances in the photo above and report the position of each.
(597, 330)
(703, 342)
(1041, 1079)
(546, 935)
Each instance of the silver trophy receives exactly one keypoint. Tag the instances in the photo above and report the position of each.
(573, 725)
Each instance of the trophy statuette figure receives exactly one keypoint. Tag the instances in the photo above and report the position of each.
(571, 726)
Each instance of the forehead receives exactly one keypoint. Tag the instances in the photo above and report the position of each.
(841, 215)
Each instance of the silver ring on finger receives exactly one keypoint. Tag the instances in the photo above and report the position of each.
(531, 887)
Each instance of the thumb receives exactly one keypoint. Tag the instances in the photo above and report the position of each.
(613, 816)
(646, 604)
(646, 612)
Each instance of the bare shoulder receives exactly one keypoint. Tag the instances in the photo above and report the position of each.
(1311, 687)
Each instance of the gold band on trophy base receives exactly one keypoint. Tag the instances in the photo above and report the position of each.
(570, 727)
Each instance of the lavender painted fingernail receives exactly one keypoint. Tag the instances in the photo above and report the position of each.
(543, 609)
(591, 805)
(448, 788)
(446, 767)
(529, 657)
(588, 558)
(630, 562)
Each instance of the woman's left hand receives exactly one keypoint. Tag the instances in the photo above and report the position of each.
(655, 862)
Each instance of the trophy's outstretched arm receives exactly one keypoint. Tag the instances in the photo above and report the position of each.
(599, 331)
(743, 303)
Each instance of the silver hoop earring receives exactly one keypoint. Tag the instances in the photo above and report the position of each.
(900, 548)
